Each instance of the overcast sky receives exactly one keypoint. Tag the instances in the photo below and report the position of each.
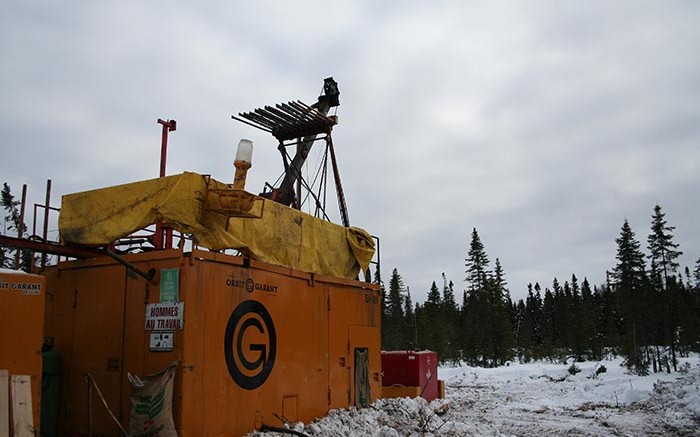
(542, 124)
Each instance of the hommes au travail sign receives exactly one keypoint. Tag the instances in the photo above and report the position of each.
(165, 316)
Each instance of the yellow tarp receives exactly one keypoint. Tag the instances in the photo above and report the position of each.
(282, 236)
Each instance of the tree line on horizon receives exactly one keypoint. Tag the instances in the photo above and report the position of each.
(647, 311)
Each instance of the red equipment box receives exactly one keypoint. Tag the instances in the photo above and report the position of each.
(411, 369)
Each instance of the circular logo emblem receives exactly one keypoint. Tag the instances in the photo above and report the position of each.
(250, 344)
(249, 285)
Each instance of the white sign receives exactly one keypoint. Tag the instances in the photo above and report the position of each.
(31, 288)
(162, 341)
(165, 316)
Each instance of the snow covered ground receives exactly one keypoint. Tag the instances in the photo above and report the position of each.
(536, 399)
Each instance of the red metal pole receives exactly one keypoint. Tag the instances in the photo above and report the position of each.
(168, 126)
(168, 237)
(163, 146)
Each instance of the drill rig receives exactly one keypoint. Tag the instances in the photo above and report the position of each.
(297, 124)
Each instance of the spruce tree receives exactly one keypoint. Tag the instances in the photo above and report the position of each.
(433, 332)
(434, 295)
(463, 332)
(559, 320)
(477, 264)
(473, 317)
(629, 280)
(609, 323)
(664, 255)
(421, 323)
(576, 326)
(13, 223)
(590, 314)
(396, 335)
(477, 311)
(386, 324)
(663, 251)
(9, 204)
(500, 278)
(534, 308)
(488, 333)
(548, 324)
(450, 317)
(522, 331)
(448, 295)
(500, 303)
(409, 324)
(688, 278)
(7, 199)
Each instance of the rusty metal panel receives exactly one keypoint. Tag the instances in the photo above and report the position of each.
(22, 299)
(264, 338)
(259, 344)
(91, 314)
(188, 402)
(98, 300)
(340, 366)
(368, 337)
(137, 358)
(354, 321)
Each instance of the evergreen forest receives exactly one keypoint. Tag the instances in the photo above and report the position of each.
(647, 311)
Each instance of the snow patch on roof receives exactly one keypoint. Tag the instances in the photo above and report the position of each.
(13, 272)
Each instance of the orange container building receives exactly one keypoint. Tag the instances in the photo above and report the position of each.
(282, 334)
(21, 336)
(256, 343)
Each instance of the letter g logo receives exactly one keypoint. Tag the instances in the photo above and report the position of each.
(251, 356)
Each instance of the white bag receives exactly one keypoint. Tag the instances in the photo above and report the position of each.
(151, 404)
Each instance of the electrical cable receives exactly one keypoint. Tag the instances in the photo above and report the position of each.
(90, 380)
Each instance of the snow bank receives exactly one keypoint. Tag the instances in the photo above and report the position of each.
(12, 271)
(533, 399)
(546, 385)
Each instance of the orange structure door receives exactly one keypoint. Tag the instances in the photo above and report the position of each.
(97, 349)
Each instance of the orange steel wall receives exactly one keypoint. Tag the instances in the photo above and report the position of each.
(96, 314)
(21, 330)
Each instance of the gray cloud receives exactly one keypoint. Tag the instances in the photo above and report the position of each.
(542, 124)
